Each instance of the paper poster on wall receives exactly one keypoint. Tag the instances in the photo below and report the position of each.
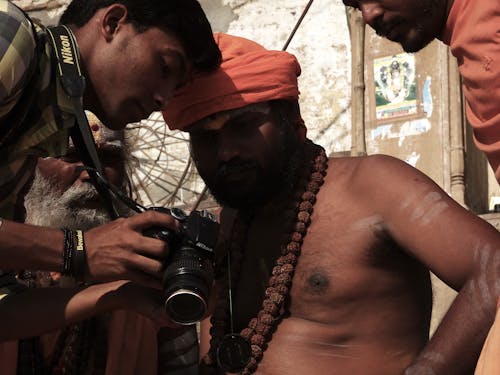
(395, 86)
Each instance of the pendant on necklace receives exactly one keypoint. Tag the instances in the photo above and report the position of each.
(233, 353)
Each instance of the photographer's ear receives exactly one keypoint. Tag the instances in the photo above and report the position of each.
(114, 16)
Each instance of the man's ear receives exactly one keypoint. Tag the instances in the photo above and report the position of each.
(112, 19)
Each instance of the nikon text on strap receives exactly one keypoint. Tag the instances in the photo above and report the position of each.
(73, 83)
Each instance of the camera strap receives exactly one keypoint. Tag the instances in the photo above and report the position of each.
(73, 82)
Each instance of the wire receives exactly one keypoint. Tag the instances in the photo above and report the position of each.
(113, 189)
(304, 12)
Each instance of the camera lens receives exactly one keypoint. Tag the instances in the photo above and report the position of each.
(185, 307)
(187, 280)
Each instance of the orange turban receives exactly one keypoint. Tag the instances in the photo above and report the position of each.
(248, 74)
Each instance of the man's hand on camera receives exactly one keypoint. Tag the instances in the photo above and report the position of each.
(119, 251)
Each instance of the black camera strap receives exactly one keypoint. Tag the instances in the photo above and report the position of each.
(73, 83)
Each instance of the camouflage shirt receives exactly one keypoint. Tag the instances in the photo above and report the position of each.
(35, 113)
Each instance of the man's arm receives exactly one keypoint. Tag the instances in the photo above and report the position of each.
(459, 247)
(39, 310)
(115, 251)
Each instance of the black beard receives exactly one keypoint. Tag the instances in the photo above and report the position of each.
(265, 186)
(279, 178)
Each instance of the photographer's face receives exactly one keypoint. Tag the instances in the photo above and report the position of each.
(136, 73)
(240, 155)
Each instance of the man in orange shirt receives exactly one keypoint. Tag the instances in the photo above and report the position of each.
(471, 29)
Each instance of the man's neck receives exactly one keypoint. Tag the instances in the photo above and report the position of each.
(283, 198)
(276, 205)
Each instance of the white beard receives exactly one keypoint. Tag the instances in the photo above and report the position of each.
(47, 207)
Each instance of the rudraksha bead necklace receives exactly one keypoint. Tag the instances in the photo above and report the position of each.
(255, 336)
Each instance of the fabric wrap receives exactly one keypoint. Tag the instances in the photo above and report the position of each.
(249, 74)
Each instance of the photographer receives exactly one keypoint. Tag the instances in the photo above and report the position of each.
(92, 335)
(133, 54)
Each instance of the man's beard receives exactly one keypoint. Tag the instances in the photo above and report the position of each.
(419, 42)
(428, 25)
(45, 206)
(279, 177)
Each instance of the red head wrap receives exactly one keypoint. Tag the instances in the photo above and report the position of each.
(248, 74)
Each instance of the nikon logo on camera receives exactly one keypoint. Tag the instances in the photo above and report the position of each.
(66, 52)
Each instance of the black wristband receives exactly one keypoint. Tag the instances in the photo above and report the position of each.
(69, 244)
(79, 256)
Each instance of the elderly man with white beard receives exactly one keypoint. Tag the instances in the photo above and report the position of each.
(61, 194)
(78, 335)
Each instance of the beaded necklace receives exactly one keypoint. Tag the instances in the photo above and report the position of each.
(260, 328)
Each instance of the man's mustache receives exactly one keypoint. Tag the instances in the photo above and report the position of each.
(84, 192)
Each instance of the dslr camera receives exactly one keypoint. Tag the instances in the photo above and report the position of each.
(189, 268)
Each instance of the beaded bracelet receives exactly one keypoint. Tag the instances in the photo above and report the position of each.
(68, 249)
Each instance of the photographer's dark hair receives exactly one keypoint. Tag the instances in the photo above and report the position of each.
(183, 18)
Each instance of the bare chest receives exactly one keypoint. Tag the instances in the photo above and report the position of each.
(339, 261)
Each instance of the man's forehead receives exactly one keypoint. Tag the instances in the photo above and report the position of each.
(217, 120)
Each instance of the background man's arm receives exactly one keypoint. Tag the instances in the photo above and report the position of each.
(36, 311)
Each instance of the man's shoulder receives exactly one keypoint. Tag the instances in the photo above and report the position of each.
(17, 52)
(364, 174)
(364, 166)
(16, 26)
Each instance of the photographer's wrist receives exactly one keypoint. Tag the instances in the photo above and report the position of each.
(74, 257)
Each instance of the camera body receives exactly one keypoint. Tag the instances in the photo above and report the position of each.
(189, 268)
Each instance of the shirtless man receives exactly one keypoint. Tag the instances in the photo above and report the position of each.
(328, 259)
